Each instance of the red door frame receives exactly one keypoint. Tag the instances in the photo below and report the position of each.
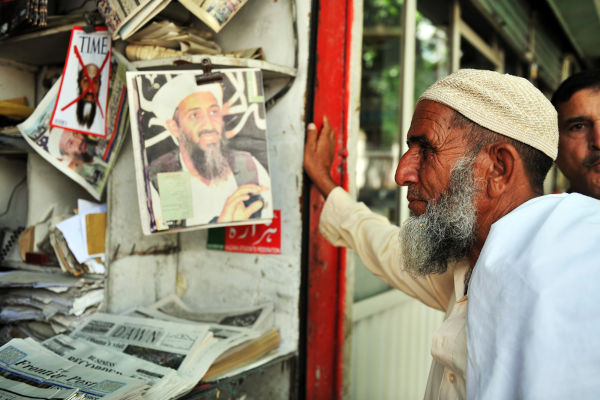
(327, 264)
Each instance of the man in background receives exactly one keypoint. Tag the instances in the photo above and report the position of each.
(577, 102)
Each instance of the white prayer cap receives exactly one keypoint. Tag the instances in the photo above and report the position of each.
(505, 104)
(54, 142)
(170, 94)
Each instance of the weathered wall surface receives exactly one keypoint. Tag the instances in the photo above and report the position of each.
(143, 269)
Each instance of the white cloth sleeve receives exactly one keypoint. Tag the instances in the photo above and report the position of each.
(345, 222)
(533, 323)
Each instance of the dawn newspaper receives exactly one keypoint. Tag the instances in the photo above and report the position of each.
(31, 371)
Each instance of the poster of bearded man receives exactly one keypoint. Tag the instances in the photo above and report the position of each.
(200, 148)
(83, 95)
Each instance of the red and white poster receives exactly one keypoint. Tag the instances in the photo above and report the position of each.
(259, 238)
(83, 94)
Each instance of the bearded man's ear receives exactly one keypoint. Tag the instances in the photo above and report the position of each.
(171, 125)
(503, 163)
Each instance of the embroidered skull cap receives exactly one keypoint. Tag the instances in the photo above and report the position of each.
(503, 103)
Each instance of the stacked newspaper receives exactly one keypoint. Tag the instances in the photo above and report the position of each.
(241, 336)
(165, 383)
(180, 348)
(43, 304)
(159, 352)
(166, 39)
(28, 370)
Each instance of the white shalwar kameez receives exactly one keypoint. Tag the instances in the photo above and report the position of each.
(533, 322)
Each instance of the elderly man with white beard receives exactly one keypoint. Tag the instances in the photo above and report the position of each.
(480, 233)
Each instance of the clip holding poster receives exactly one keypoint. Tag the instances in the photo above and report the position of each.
(83, 95)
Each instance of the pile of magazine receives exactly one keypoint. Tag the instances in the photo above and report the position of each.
(42, 304)
(157, 352)
(125, 17)
(90, 162)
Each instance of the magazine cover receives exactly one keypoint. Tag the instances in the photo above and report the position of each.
(200, 148)
(85, 159)
(214, 13)
(83, 93)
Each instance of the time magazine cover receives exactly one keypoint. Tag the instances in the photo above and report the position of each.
(84, 158)
(200, 148)
(83, 94)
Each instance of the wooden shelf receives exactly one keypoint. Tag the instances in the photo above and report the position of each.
(270, 71)
(42, 47)
(276, 78)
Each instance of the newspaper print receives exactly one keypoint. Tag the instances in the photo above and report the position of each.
(257, 317)
(12, 385)
(165, 382)
(85, 159)
(214, 13)
(35, 364)
(167, 344)
(225, 338)
(200, 149)
(128, 15)
(105, 359)
(56, 282)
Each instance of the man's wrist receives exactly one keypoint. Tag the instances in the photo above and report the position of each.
(324, 185)
(327, 187)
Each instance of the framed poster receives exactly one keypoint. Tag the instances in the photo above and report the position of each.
(200, 149)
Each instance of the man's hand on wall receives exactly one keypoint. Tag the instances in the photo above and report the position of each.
(318, 156)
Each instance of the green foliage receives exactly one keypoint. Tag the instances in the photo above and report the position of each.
(380, 104)
(382, 12)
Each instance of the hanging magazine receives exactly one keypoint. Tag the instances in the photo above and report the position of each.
(200, 149)
(214, 13)
(84, 158)
(83, 94)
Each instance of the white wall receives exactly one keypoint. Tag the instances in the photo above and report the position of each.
(142, 269)
(12, 171)
(16, 81)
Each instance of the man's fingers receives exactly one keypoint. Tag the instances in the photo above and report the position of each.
(251, 209)
(243, 193)
(249, 188)
(311, 135)
(325, 130)
(326, 143)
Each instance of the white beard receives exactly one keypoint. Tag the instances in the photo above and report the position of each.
(446, 231)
